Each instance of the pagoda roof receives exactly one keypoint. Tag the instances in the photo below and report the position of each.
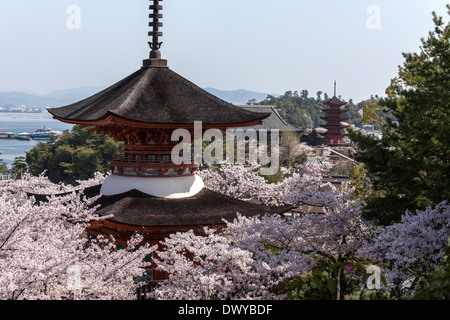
(274, 122)
(335, 111)
(333, 125)
(156, 95)
(333, 118)
(334, 101)
(135, 208)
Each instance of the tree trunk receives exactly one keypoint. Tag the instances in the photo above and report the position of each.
(337, 278)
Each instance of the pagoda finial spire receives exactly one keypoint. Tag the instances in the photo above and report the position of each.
(335, 88)
(155, 44)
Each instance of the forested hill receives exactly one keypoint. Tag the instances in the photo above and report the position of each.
(301, 110)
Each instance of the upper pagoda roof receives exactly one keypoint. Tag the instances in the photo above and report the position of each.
(334, 101)
(156, 95)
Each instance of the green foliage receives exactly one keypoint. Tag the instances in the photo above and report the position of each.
(302, 158)
(75, 155)
(275, 178)
(18, 168)
(368, 295)
(327, 277)
(3, 167)
(304, 112)
(312, 285)
(361, 182)
(314, 139)
(341, 168)
(291, 151)
(354, 112)
(374, 114)
(438, 286)
(411, 161)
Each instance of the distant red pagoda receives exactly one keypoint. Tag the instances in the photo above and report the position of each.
(335, 128)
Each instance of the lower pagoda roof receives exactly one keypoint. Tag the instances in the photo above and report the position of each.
(333, 125)
(135, 208)
(332, 134)
(334, 118)
(334, 111)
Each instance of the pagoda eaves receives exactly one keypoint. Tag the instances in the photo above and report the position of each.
(155, 96)
(334, 102)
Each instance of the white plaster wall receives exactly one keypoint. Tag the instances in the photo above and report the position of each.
(170, 188)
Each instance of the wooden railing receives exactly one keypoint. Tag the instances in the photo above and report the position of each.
(151, 166)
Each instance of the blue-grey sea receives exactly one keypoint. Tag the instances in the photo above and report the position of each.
(24, 122)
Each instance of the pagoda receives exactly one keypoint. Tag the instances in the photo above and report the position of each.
(335, 127)
(147, 191)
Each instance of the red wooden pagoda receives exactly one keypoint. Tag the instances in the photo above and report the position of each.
(335, 127)
(143, 110)
(147, 192)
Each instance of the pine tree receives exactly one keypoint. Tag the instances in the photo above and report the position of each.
(75, 155)
(410, 164)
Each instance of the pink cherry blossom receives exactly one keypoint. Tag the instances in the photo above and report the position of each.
(45, 254)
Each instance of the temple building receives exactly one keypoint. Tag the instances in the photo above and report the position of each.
(333, 117)
(148, 192)
(273, 122)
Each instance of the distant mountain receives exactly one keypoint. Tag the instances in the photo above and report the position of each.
(60, 98)
(53, 99)
(74, 95)
(18, 98)
(240, 97)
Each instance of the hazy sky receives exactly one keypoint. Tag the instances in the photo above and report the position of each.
(259, 45)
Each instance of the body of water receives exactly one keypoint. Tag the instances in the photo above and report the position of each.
(24, 122)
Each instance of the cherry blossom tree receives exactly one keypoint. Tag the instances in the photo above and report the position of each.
(237, 181)
(278, 249)
(44, 253)
(408, 251)
(42, 185)
(212, 266)
(269, 250)
(245, 182)
(202, 267)
(333, 236)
